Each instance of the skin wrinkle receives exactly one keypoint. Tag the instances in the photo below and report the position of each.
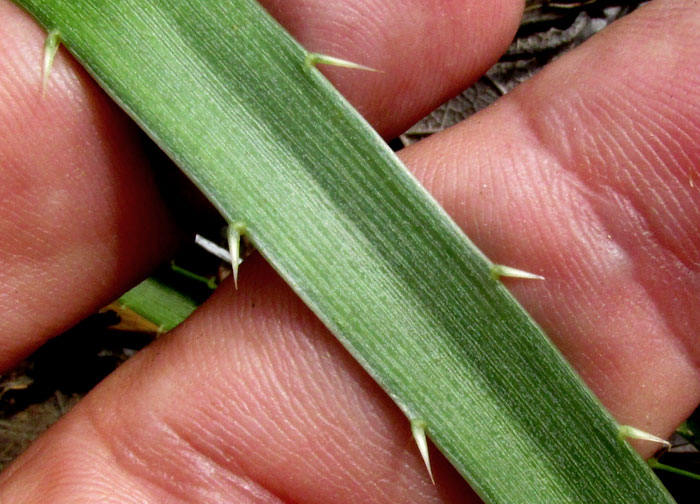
(581, 225)
(65, 470)
(600, 356)
(680, 178)
(622, 131)
(570, 110)
(620, 153)
(654, 149)
(662, 209)
(292, 419)
(635, 169)
(342, 409)
(633, 213)
(688, 118)
(279, 414)
(212, 455)
(324, 418)
(130, 457)
(21, 69)
(305, 410)
(618, 137)
(127, 457)
(369, 416)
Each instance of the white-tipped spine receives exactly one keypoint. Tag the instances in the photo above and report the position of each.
(627, 431)
(51, 45)
(235, 231)
(313, 59)
(418, 431)
(500, 270)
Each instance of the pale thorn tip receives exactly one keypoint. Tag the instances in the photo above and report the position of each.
(313, 59)
(235, 230)
(418, 431)
(627, 431)
(51, 45)
(500, 270)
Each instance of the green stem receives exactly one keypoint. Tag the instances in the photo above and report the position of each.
(655, 464)
(208, 281)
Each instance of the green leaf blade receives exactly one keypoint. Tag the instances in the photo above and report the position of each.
(159, 303)
(228, 95)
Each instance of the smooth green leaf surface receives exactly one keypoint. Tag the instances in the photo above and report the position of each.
(160, 303)
(226, 93)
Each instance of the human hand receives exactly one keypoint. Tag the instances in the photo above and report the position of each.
(583, 174)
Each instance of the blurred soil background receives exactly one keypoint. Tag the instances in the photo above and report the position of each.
(57, 376)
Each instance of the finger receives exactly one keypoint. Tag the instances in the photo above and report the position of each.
(586, 175)
(83, 217)
(251, 400)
